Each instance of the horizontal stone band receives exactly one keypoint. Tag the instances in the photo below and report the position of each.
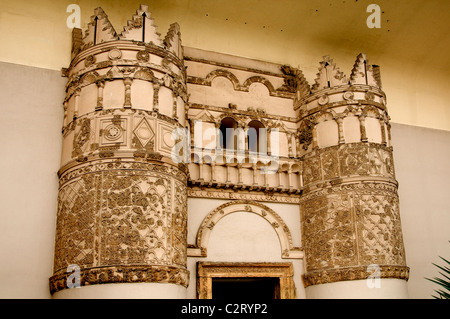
(354, 273)
(123, 274)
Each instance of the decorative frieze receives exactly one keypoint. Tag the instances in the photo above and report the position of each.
(348, 160)
(355, 273)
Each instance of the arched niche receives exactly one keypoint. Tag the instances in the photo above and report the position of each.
(213, 218)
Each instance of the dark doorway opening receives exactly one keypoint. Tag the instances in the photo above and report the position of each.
(246, 288)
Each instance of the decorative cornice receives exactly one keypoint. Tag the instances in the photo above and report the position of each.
(253, 195)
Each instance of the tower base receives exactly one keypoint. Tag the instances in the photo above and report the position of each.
(360, 289)
(124, 291)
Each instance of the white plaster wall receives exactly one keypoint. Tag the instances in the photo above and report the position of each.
(124, 291)
(30, 134)
(421, 158)
(360, 289)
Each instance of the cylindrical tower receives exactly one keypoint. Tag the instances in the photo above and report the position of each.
(350, 218)
(122, 205)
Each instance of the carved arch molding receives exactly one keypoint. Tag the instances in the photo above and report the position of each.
(288, 250)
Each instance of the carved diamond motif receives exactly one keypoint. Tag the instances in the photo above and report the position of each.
(144, 132)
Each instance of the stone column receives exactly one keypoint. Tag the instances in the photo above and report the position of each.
(122, 204)
(350, 219)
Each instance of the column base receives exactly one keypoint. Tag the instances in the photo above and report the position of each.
(384, 288)
(125, 291)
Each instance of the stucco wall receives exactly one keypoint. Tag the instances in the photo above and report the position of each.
(30, 135)
(421, 158)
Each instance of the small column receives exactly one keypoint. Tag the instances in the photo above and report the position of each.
(315, 143)
(174, 106)
(200, 170)
(213, 171)
(77, 103)
(239, 166)
(218, 146)
(265, 176)
(280, 179)
(65, 105)
(127, 82)
(290, 186)
(241, 139)
(383, 132)
(156, 87)
(246, 139)
(297, 145)
(339, 121)
(191, 131)
(362, 126)
(388, 125)
(300, 175)
(290, 153)
(100, 87)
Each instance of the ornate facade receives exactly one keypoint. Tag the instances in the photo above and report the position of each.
(151, 125)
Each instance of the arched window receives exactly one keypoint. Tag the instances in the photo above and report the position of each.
(257, 137)
(229, 139)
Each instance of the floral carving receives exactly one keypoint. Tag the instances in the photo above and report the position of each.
(121, 218)
(351, 226)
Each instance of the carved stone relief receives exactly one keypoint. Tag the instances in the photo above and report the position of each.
(116, 220)
(347, 160)
(348, 226)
